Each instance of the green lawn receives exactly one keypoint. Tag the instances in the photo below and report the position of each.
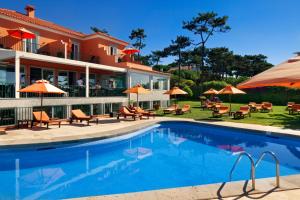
(279, 116)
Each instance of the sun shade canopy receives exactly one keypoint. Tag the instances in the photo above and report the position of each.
(42, 87)
(286, 74)
(175, 91)
(138, 89)
(129, 51)
(211, 91)
(229, 89)
(21, 33)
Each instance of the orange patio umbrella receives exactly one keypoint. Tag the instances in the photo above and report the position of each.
(286, 74)
(175, 91)
(230, 90)
(138, 89)
(211, 91)
(42, 87)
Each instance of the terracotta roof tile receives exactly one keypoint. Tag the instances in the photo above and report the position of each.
(37, 21)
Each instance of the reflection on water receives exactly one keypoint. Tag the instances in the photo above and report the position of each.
(171, 155)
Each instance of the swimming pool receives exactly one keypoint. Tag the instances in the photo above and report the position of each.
(166, 155)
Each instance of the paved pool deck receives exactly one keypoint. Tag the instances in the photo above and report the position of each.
(107, 128)
(111, 127)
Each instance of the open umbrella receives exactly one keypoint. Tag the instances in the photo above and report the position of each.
(21, 33)
(42, 87)
(230, 90)
(138, 89)
(286, 74)
(211, 91)
(130, 51)
(176, 91)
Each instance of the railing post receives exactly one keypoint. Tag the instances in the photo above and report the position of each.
(17, 76)
(87, 81)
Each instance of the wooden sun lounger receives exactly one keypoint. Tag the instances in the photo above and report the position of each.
(147, 114)
(266, 106)
(186, 108)
(45, 119)
(242, 112)
(294, 109)
(221, 111)
(124, 112)
(81, 116)
(171, 109)
(289, 105)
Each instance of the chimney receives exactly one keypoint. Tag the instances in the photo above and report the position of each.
(30, 11)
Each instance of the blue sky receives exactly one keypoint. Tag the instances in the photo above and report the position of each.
(269, 27)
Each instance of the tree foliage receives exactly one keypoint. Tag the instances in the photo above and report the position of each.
(138, 36)
(176, 48)
(206, 25)
(99, 30)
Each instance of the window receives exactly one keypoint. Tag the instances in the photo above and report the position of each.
(75, 51)
(160, 83)
(40, 73)
(113, 51)
(66, 78)
(141, 79)
(98, 109)
(63, 79)
(31, 45)
(117, 80)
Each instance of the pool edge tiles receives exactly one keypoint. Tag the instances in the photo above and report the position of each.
(209, 191)
(68, 134)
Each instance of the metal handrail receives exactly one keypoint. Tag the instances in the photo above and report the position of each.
(252, 167)
(277, 165)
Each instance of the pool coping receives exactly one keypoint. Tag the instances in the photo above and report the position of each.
(100, 135)
(238, 189)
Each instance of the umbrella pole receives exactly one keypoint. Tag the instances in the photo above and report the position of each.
(230, 103)
(137, 100)
(41, 110)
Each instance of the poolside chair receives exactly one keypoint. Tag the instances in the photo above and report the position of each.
(210, 105)
(289, 105)
(294, 109)
(171, 109)
(78, 115)
(145, 113)
(44, 118)
(186, 108)
(221, 111)
(267, 106)
(124, 112)
(242, 112)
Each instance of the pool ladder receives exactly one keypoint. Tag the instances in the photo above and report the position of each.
(254, 165)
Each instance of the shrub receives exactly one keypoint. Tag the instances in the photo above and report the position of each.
(188, 90)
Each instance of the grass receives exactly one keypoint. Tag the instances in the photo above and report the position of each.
(279, 116)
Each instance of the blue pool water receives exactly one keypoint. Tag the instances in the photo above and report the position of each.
(167, 155)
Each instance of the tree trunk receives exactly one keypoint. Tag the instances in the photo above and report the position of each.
(179, 67)
(202, 59)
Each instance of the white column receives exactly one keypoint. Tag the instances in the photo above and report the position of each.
(87, 81)
(168, 84)
(151, 82)
(128, 84)
(17, 76)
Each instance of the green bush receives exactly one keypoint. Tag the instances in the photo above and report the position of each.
(188, 90)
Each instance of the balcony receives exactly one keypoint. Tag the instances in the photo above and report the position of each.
(55, 49)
